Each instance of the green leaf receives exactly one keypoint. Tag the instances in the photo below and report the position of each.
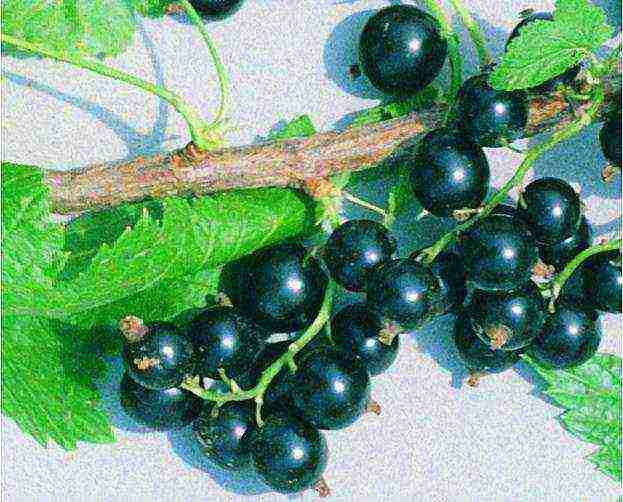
(400, 198)
(47, 377)
(151, 8)
(48, 394)
(31, 244)
(300, 127)
(94, 27)
(399, 108)
(545, 49)
(591, 395)
(192, 236)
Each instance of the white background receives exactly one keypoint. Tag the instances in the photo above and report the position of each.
(436, 440)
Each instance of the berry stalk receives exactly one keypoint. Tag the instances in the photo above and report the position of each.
(286, 359)
(560, 280)
(532, 155)
(475, 32)
(454, 55)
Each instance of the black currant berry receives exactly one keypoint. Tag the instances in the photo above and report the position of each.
(331, 389)
(226, 438)
(552, 209)
(216, 9)
(488, 116)
(224, 339)
(401, 50)
(289, 455)
(477, 355)
(448, 268)
(449, 172)
(604, 282)
(283, 288)
(569, 337)
(403, 291)
(507, 320)
(565, 78)
(160, 359)
(561, 253)
(354, 248)
(574, 293)
(610, 138)
(355, 330)
(160, 409)
(498, 253)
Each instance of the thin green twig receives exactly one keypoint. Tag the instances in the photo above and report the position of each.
(475, 32)
(560, 280)
(363, 203)
(454, 53)
(221, 71)
(196, 124)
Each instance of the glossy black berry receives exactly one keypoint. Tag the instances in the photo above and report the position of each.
(331, 390)
(160, 409)
(507, 320)
(563, 79)
(288, 454)
(401, 50)
(216, 9)
(569, 337)
(448, 268)
(561, 253)
(225, 339)
(449, 172)
(498, 253)
(477, 355)
(488, 116)
(283, 288)
(574, 292)
(610, 139)
(603, 281)
(226, 438)
(161, 359)
(354, 248)
(403, 291)
(552, 209)
(355, 330)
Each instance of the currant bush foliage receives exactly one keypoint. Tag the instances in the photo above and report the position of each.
(47, 398)
(591, 396)
(545, 49)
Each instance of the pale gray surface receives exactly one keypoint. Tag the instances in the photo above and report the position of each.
(434, 441)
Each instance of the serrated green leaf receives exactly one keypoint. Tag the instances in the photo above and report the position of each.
(151, 8)
(193, 236)
(47, 376)
(299, 127)
(94, 27)
(608, 461)
(591, 396)
(399, 108)
(31, 245)
(546, 49)
(43, 391)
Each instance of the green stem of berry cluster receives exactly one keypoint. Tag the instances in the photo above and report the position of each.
(475, 32)
(286, 359)
(532, 155)
(454, 54)
(364, 203)
(558, 283)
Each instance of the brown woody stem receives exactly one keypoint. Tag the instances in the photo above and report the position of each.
(286, 163)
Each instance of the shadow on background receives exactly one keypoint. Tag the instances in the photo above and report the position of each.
(138, 143)
(245, 482)
(436, 340)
